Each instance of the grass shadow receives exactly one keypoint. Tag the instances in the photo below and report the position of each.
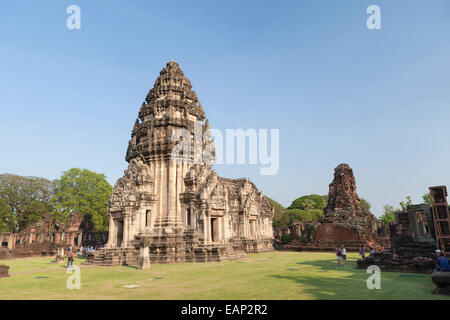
(325, 279)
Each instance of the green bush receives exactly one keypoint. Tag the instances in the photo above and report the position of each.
(285, 238)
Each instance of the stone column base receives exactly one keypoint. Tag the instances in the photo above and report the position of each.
(144, 263)
(60, 259)
(144, 259)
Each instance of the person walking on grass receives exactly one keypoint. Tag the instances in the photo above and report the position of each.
(339, 255)
(362, 251)
(69, 257)
(344, 255)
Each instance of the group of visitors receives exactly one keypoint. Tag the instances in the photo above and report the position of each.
(83, 251)
(362, 251)
(341, 254)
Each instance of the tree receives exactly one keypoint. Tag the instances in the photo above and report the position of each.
(404, 204)
(313, 201)
(365, 205)
(427, 199)
(6, 219)
(289, 216)
(27, 199)
(388, 216)
(278, 208)
(278, 213)
(82, 191)
(304, 209)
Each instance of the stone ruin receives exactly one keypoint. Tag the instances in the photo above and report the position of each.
(343, 222)
(171, 210)
(412, 243)
(4, 271)
(441, 216)
(442, 282)
(45, 237)
(415, 236)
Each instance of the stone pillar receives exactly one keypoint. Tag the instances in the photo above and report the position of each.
(205, 231)
(60, 255)
(171, 194)
(144, 258)
(219, 231)
(143, 219)
(125, 232)
(208, 225)
(111, 233)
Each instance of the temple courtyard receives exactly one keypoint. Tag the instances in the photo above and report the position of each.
(271, 275)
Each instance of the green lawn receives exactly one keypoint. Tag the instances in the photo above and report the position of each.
(273, 275)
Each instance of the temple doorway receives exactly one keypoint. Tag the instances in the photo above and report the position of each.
(214, 230)
(119, 235)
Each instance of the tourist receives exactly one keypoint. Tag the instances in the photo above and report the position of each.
(372, 251)
(339, 255)
(69, 257)
(442, 263)
(362, 252)
(344, 255)
(78, 252)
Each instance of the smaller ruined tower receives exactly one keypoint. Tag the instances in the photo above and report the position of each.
(344, 222)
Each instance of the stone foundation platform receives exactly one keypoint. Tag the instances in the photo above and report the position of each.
(178, 247)
(4, 271)
(389, 261)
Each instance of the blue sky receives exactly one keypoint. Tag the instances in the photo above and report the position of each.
(376, 99)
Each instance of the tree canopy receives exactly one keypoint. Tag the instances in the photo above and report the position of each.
(388, 214)
(310, 202)
(404, 204)
(83, 191)
(24, 200)
(304, 209)
(365, 205)
(278, 212)
(427, 199)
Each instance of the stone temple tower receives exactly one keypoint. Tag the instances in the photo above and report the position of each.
(154, 205)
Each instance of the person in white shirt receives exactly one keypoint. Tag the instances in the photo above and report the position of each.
(344, 255)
